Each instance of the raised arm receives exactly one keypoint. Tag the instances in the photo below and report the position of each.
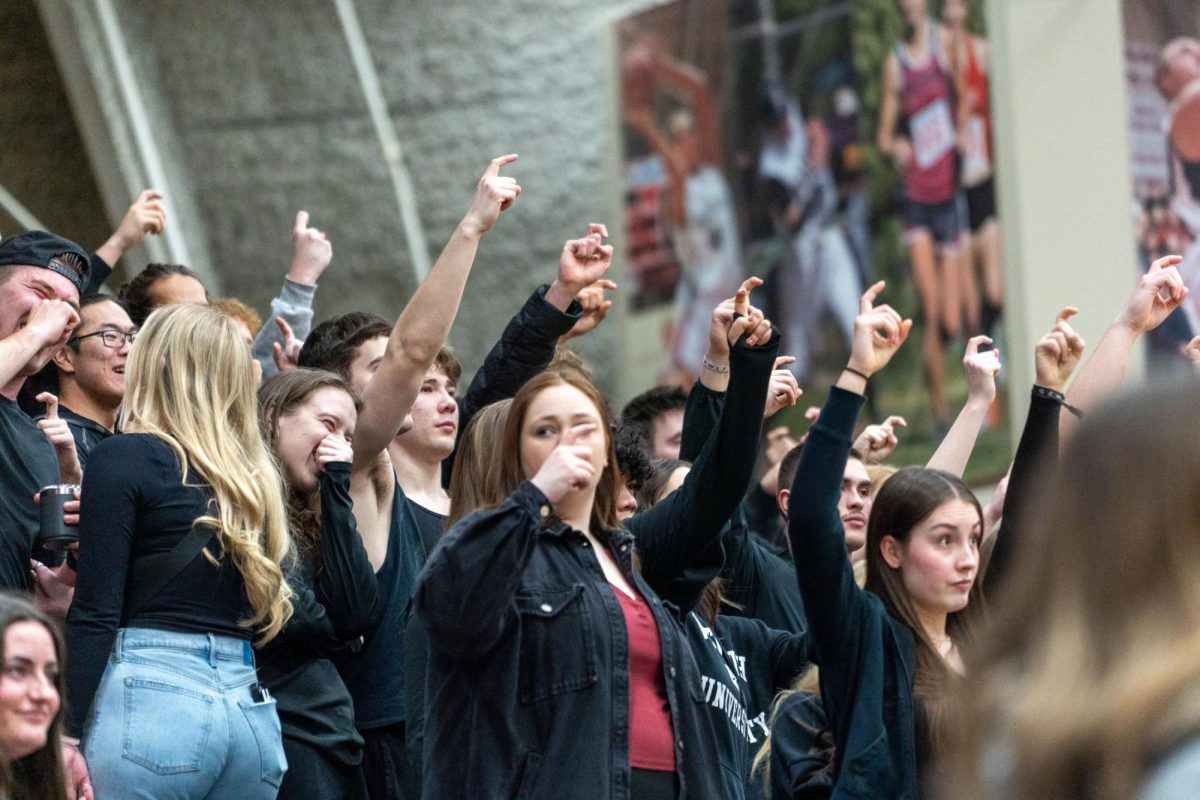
(426, 319)
(147, 215)
(277, 345)
(687, 522)
(831, 597)
(1159, 292)
(1056, 356)
(981, 369)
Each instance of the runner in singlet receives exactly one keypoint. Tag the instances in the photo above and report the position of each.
(969, 62)
(917, 131)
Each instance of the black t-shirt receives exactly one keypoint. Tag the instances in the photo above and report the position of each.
(136, 508)
(430, 524)
(27, 463)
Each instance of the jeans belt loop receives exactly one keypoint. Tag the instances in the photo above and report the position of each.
(212, 650)
(119, 644)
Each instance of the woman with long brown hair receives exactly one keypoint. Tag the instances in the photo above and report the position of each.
(891, 654)
(555, 668)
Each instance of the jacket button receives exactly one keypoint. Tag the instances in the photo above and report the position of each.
(681, 744)
(624, 548)
(544, 511)
(546, 608)
(672, 672)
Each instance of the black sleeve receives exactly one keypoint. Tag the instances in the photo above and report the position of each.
(309, 632)
(110, 498)
(524, 349)
(801, 750)
(674, 533)
(346, 585)
(832, 600)
(100, 270)
(1038, 446)
(700, 416)
(466, 593)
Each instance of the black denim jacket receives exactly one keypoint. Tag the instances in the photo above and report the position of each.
(528, 688)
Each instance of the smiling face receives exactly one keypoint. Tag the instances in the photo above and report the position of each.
(299, 431)
(95, 368)
(554, 411)
(939, 562)
(21, 288)
(29, 699)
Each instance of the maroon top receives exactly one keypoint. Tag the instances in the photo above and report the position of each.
(927, 100)
(651, 738)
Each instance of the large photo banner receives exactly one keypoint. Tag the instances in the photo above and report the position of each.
(1162, 57)
(821, 145)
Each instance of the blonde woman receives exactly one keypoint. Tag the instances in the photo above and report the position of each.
(182, 530)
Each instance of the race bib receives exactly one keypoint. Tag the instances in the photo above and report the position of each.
(976, 164)
(932, 133)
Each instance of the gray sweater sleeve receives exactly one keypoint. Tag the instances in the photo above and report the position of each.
(294, 306)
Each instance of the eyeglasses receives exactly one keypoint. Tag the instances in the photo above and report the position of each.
(112, 339)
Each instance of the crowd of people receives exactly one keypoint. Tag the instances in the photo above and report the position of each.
(247, 559)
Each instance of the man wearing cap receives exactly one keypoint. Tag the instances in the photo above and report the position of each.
(41, 276)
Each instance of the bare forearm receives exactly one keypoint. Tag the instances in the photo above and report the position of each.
(1103, 373)
(954, 452)
(413, 345)
(15, 352)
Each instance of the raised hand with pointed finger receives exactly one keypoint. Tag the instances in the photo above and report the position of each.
(59, 434)
(311, 252)
(981, 369)
(878, 333)
(1058, 352)
(493, 194)
(1159, 292)
(782, 391)
(877, 442)
(287, 354)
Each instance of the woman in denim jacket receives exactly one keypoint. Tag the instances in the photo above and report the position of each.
(555, 669)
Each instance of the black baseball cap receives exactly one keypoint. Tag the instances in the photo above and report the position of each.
(48, 251)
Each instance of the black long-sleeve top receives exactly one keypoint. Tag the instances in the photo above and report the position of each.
(336, 601)
(867, 656)
(135, 508)
(523, 350)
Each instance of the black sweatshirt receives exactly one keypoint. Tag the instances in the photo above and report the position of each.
(867, 656)
(135, 507)
(331, 612)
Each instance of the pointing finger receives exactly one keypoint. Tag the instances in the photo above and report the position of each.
(284, 328)
(493, 168)
(301, 222)
(893, 421)
(598, 227)
(868, 298)
(1066, 314)
(976, 342)
(51, 402)
(575, 432)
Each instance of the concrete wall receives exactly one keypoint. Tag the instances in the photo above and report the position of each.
(262, 113)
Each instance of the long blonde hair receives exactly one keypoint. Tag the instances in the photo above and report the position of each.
(1090, 672)
(189, 382)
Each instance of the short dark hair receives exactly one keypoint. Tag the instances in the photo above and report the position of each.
(789, 463)
(641, 411)
(333, 344)
(135, 293)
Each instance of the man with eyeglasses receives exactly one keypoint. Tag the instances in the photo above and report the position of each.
(91, 372)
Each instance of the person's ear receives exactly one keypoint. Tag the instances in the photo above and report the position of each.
(782, 500)
(64, 359)
(893, 554)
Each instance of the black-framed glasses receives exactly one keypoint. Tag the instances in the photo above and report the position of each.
(112, 339)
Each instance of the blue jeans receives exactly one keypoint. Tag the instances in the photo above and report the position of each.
(176, 717)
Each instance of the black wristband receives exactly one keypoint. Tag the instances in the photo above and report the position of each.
(853, 371)
(1058, 397)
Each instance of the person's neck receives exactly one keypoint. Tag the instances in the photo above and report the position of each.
(12, 388)
(420, 476)
(918, 38)
(83, 404)
(576, 510)
(934, 625)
